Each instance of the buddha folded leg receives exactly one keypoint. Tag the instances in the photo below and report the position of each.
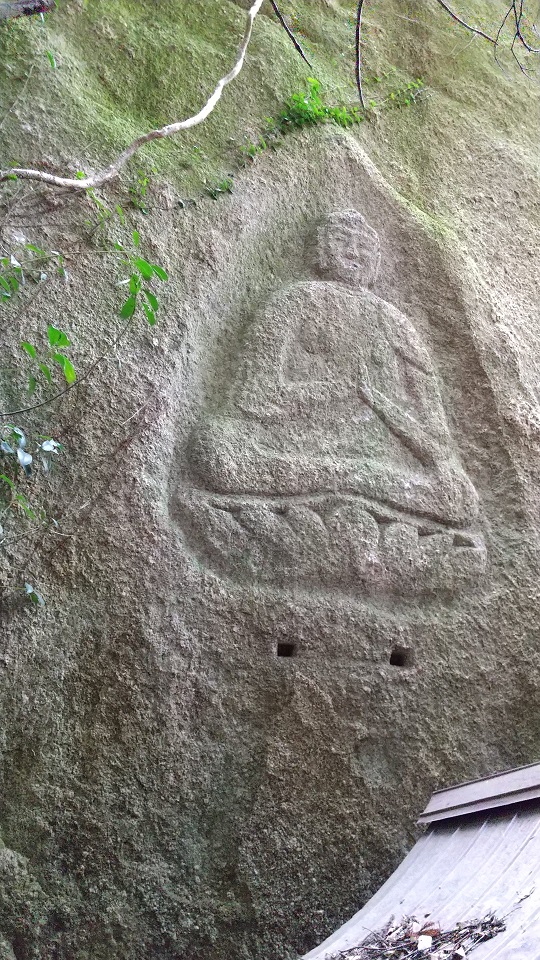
(443, 494)
(241, 457)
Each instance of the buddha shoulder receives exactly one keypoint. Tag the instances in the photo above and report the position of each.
(321, 296)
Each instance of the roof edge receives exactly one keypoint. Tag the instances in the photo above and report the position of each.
(487, 793)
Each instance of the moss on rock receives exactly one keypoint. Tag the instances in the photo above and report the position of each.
(124, 67)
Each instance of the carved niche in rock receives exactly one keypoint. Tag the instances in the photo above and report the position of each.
(331, 463)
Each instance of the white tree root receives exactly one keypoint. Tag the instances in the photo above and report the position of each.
(112, 171)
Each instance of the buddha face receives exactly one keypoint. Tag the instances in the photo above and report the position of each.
(347, 250)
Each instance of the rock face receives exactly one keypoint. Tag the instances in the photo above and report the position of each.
(294, 585)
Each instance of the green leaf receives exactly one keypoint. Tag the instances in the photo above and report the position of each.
(144, 268)
(7, 480)
(34, 249)
(69, 371)
(134, 284)
(150, 315)
(67, 367)
(29, 349)
(128, 309)
(136, 238)
(46, 372)
(23, 502)
(14, 283)
(152, 299)
(57, 338)
(50, 57)
(5, 285)
(120, 213)
(160, 272)
(62, 272)
(32, 383)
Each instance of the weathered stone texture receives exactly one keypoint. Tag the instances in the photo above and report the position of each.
(327, 448)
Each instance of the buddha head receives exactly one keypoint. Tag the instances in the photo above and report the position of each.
(347, 249)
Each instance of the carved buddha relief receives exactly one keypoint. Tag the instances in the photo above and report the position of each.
(331, 462)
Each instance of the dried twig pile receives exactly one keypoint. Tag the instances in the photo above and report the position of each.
(409, 940)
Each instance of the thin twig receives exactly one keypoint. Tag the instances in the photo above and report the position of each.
(516, 7)
(498, 36)
(519, 20)
(516, 58)
(464, 23)
(72, 386)
(289, 32)
(503, 23)
(141, 408)
(358, 51)
(112, 171)
(358, 39)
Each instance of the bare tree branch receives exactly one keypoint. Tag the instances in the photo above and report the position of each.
(358, 38)
(503, 24)
(519, 17)
(11, 9)
(112, 171)
(516, 58)
(96, 180)
(516, 11)
(289, 32)
(464, 23)
(358, 50)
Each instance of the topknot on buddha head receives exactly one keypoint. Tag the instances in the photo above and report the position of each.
(347, 249)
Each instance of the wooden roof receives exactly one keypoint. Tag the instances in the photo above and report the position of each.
(481, 854)
(460, 871)
(488, 793)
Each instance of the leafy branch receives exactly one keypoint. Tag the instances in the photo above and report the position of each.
(58, 340)
(141, 273)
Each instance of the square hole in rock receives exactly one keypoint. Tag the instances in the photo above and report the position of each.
(286, 649)
(402, 657)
